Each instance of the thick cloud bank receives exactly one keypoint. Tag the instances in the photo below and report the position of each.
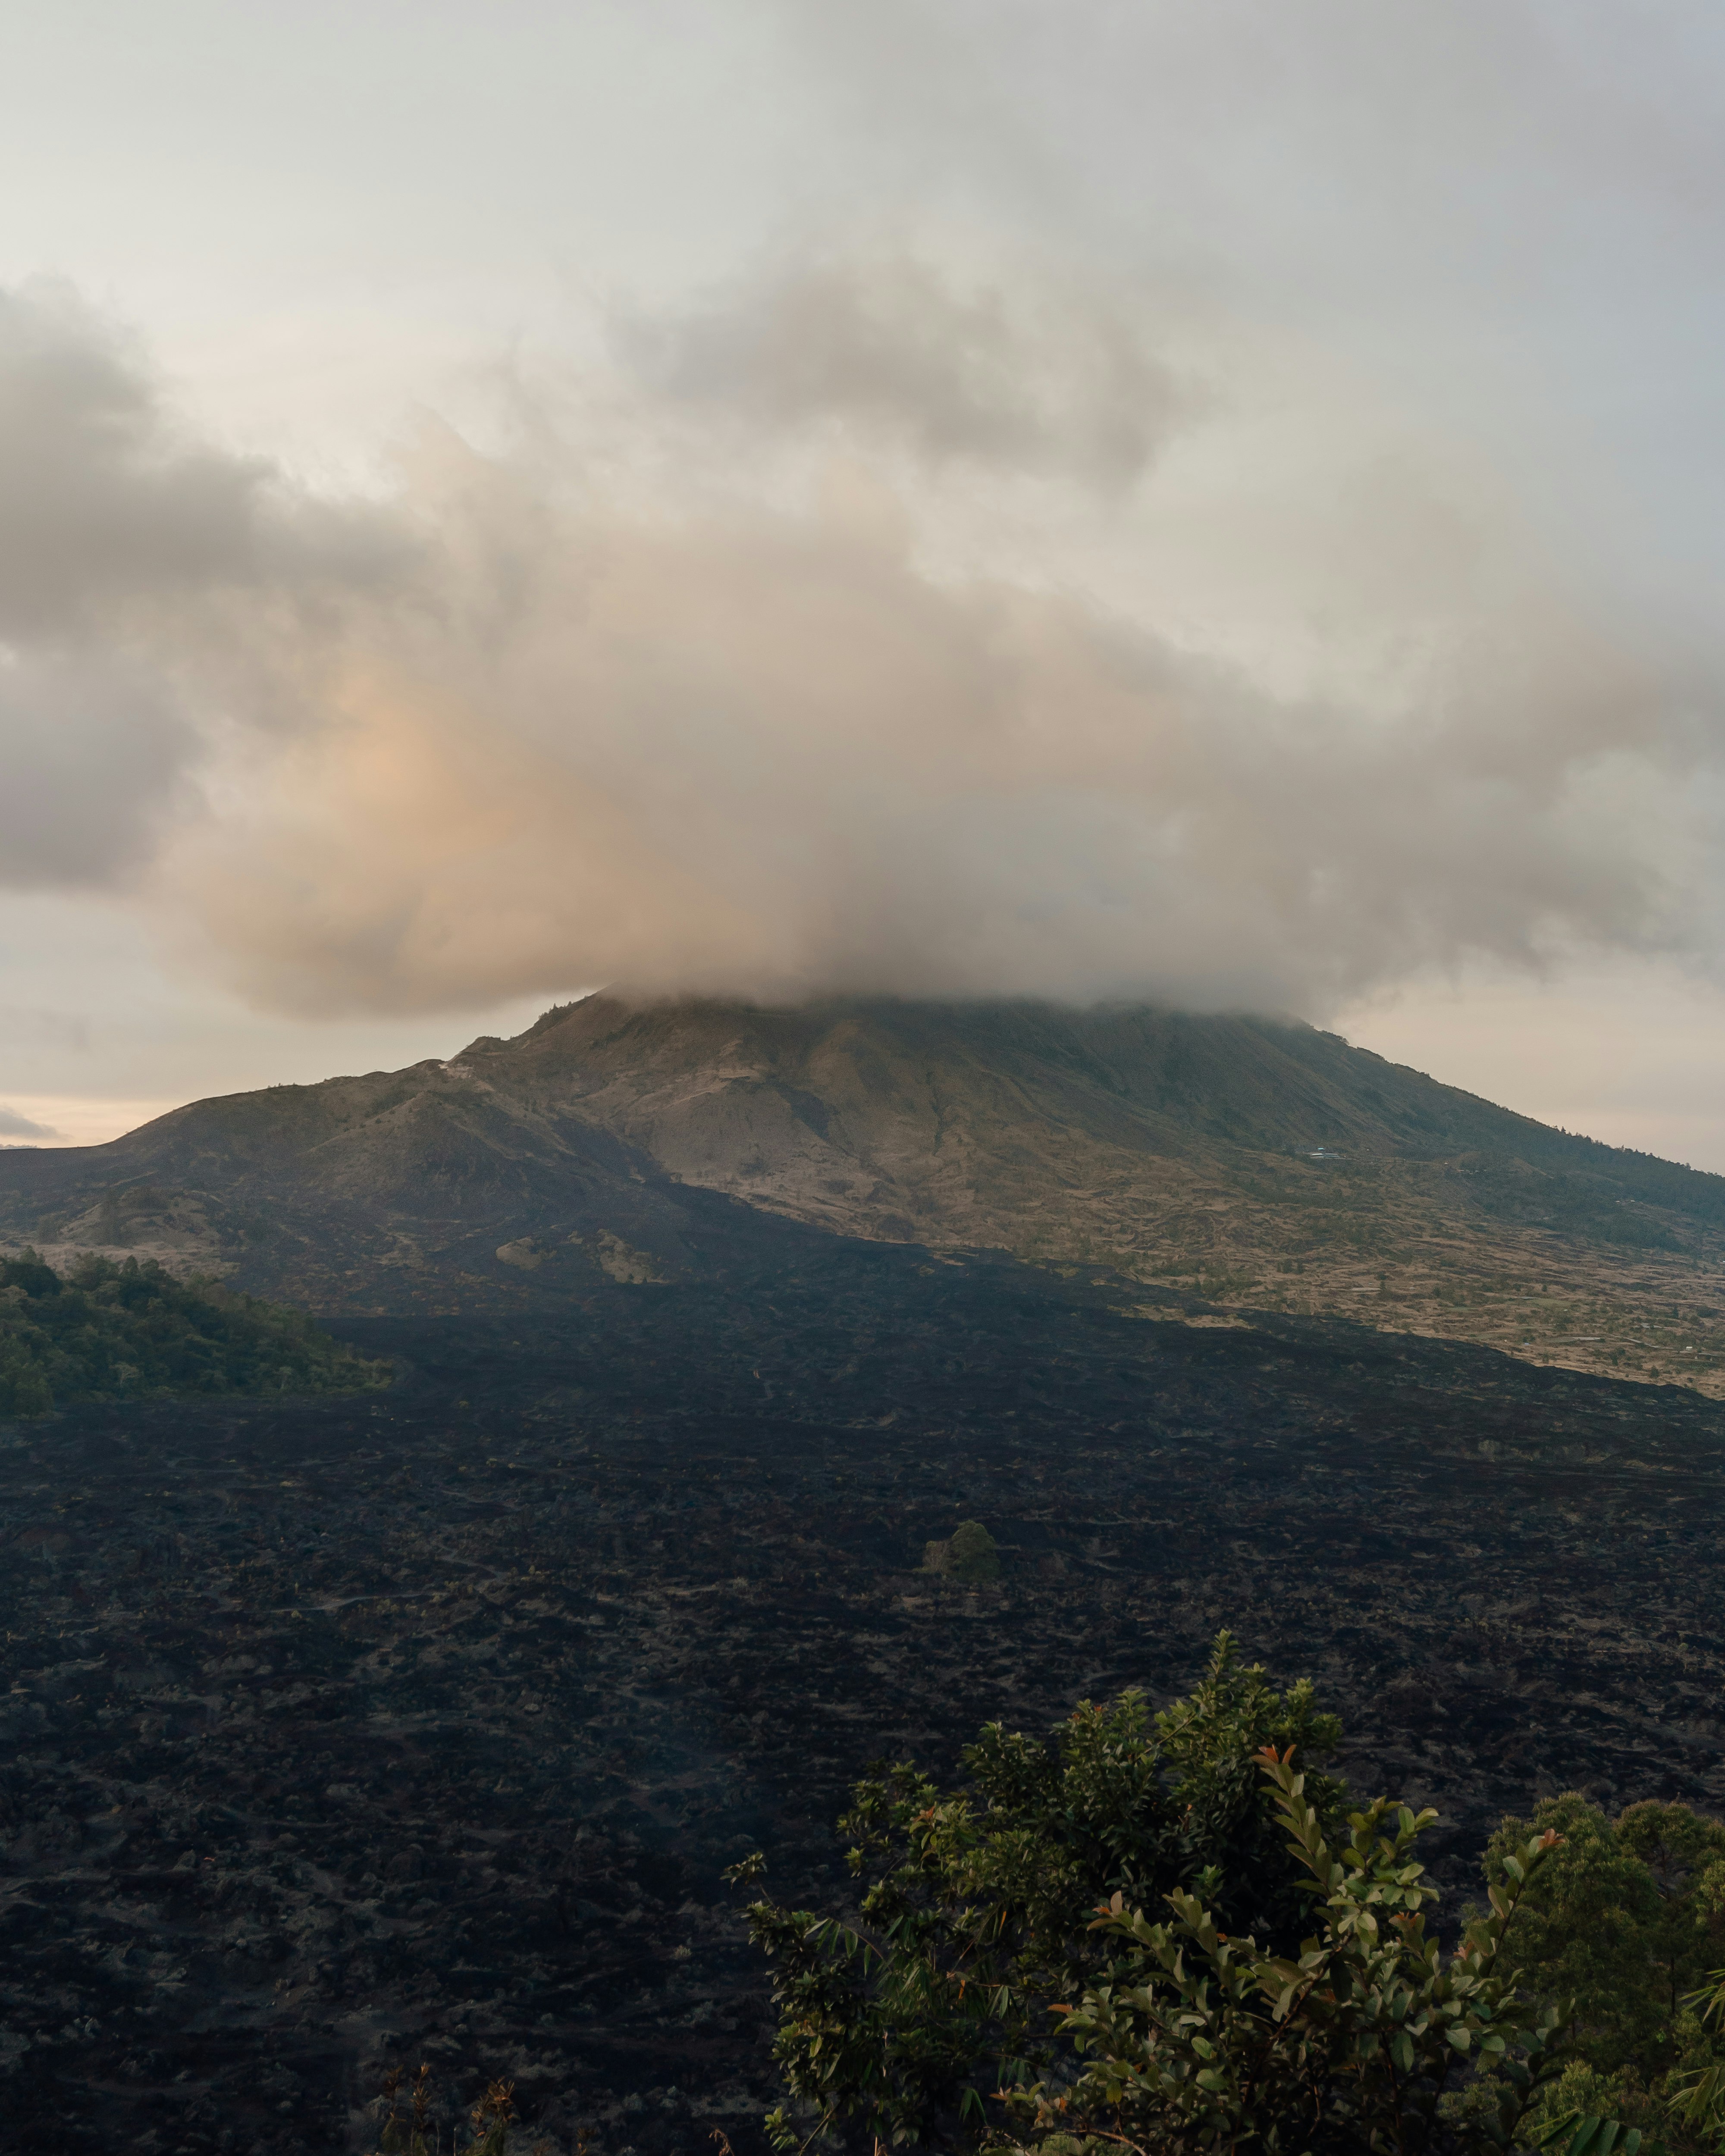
(875, 626)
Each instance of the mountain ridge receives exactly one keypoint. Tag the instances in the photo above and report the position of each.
(1251, 1161)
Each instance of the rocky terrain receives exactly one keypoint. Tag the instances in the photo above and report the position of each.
(1259, 1164)
(346, 1733)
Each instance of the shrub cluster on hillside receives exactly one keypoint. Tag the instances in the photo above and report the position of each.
(130, 1332)
(969, 1554)
(1168, 1935)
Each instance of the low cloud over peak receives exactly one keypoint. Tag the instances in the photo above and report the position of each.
(743, 675)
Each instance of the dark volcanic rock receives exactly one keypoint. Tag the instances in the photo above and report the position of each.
(343, 1734)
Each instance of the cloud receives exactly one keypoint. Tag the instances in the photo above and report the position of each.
(795, 703)
(1039, 373)
(100, 498)
(12, 1125)
(142, 572)
(109, 502)
(94, 755)
(771, 753)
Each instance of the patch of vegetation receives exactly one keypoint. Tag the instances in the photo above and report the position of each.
(1166, 1935)
(1628, 1921)
(128, 1331)
(975, 1916)
(412, 2122)
(971, 1554)
(1224, 1281)
(1370, 2038)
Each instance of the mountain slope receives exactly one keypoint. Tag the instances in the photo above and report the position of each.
(419, 1188)
(884, 1116)
(1248, 1161)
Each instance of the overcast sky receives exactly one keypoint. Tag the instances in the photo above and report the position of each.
(1216, 503)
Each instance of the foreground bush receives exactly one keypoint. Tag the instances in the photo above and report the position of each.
(1203, 2041)
(976, 1914)
(1628, 1921)
(1159, 1935)
(131, 1332)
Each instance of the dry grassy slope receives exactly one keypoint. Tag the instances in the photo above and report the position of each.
(1178, 1149)
(395, 1190)
(1175, 1147)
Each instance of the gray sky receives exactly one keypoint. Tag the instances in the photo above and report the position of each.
(1214, 503)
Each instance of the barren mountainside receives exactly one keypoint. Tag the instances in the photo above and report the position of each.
(1244, 1161)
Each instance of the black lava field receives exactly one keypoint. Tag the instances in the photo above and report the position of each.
(345, 1734)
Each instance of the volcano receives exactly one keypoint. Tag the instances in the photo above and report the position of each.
(1237, 1162)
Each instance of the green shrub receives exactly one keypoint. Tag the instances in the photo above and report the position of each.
(971, 1554)
(129, 1331)
(1203, 2041)
(1627, 1920)
(1156, 1935)
(975, 1915)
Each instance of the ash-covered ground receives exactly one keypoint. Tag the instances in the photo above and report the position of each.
(345, 1734)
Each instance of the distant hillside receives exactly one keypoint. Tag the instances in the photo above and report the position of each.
(882, 1117)
(130, 1331)
(1243, 1161)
